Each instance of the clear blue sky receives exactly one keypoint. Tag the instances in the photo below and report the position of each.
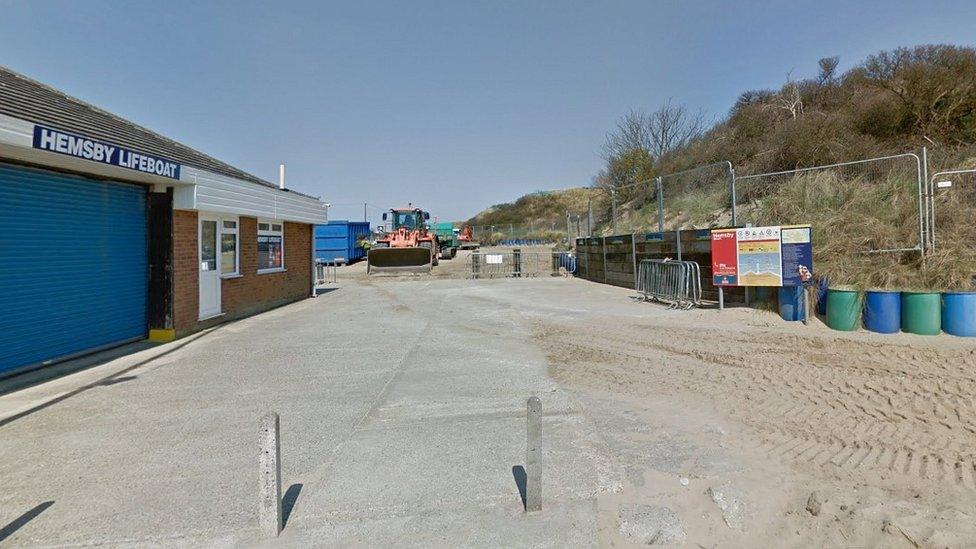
(452, 105)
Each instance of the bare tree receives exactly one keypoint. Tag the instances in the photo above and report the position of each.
(672, 127)
(664, 130)
(630, 135)
(789, 98)
(828, 70)
(602, 180)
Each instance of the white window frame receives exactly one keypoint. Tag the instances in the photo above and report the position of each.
(236, 231)
(271, 232)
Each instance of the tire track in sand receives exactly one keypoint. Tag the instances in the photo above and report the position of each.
(830, 403)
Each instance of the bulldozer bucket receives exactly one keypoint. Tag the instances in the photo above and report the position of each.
(399, 260)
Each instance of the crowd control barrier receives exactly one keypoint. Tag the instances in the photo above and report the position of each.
(677, 283)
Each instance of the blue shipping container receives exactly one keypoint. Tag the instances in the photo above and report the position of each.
(336, 242)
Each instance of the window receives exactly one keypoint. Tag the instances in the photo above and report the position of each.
(228, 247)
(271, 246)
(406, 219)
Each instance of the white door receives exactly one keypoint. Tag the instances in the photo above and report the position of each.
(209, 271)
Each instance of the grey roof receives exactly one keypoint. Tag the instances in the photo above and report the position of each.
(27, 99)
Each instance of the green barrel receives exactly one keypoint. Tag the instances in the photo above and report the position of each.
(844, 309)
(921, 313)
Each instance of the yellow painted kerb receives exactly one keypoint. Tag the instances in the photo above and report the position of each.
(160, 335)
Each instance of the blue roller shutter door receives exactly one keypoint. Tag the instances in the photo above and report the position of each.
(73, 265)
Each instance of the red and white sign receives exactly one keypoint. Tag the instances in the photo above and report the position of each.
(725, 258)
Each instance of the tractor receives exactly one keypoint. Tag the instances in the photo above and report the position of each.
(408, 247)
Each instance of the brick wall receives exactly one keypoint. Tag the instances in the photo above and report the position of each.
(254, 292)
(248, 294)
(186, 271)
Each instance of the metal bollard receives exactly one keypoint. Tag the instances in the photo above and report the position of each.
(270, 513)
(533, 465)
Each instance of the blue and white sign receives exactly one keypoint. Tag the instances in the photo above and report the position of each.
(49, 139)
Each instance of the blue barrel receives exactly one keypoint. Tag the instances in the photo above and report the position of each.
(791, 303)
(882, 311)
(959, 313)
(822, 286)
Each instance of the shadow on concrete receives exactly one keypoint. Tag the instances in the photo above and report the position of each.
(122, 379)
(61, 368)
(519, 473)
(107, 380)
(322, 291)
(288, 502)
(20, 521)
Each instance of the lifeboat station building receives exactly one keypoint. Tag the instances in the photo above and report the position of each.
(111, 233)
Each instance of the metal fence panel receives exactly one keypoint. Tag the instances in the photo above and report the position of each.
(519, 264)
(945, 187)
(326, 273)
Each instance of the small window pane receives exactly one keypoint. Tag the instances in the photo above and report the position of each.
(262, 226)
(228, 253)
(208, 245)
(269, 252)
(230, 224)
(276, 228)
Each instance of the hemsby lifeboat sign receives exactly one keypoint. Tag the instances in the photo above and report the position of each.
(762, 256)
(49, 139)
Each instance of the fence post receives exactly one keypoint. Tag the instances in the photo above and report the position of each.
(475, 264)
(604, 241)
(660, 205)
(677, 241)
(533, 466)
(929, 197)
(613, 211)
(270, 512)
(805, 304)
(569, 235)
(633, 255)
(732, 193)
(589, 217)
(516, 262)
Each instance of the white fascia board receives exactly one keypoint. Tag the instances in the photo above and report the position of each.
(222, 194)
(197, 189)
(17, 144)
(14, 131)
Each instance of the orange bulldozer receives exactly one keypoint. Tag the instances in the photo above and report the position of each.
(409, 247)
(466, 238)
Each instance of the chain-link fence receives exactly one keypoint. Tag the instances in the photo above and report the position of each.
(880, 204)
(864, 206)
(698, 197)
